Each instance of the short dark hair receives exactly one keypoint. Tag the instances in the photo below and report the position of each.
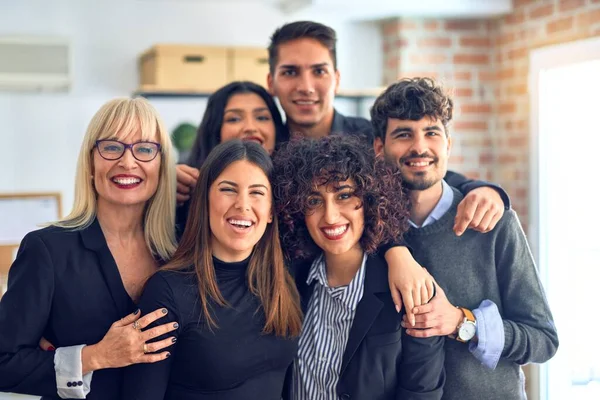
(301, 30)
(209, 131)
(302, 163)
(411, 99)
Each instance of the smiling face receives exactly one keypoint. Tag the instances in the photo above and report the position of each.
(335, 218)
(247, 117)
(420, 149)
(240, 207)
(305, 82)
(126, 181)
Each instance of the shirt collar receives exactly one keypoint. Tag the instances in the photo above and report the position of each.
(349, 295)
(440, 208)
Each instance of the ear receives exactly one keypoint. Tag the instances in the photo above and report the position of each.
(449, 144)
(337, 81)
(378, 146)
(270, 219)
(270, 84)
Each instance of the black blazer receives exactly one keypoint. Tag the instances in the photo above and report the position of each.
(381, 361)
(65, 286)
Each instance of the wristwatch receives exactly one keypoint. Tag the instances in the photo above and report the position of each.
(467, 328)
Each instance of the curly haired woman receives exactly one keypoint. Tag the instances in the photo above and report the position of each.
(337, 204)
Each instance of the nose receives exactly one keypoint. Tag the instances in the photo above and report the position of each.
(332, 212)
(127, 160)
(419, 144)
(306, 83)
(242, 202)
(249, 126)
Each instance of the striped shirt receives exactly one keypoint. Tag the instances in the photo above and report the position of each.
(325, 331)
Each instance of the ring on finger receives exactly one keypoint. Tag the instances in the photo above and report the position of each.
(136, 326)
(145, 348)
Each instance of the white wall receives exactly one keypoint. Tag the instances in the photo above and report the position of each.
(41, 132)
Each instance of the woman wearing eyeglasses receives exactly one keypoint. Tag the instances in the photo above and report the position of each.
(76, 282)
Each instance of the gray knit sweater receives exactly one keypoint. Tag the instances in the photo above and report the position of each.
(497, 266)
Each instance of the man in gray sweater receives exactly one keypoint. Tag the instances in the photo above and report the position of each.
(490, 302)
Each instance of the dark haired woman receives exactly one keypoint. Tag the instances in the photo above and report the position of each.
(227, 288)
(337, 205)
(239, 110)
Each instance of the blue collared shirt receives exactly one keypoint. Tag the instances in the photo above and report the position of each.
(490, 329)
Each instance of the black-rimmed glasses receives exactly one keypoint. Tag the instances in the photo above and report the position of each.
(141, 151)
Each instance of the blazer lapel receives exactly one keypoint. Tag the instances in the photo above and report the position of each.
(94, 240)
(368, 308)
(301, 271)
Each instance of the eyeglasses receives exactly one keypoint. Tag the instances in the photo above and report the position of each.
(141, 151)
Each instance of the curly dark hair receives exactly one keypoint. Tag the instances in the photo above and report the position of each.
(303, 163)
(411, 99)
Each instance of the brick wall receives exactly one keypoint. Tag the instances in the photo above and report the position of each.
(485, 64)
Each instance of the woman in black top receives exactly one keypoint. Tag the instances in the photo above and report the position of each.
(228, 290)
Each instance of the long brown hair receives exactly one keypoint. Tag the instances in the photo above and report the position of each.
(268, 277)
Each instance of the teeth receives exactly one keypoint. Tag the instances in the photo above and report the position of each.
(305, 103)
(126, 181)
(336, 231)
(419, 164)
(240, 222)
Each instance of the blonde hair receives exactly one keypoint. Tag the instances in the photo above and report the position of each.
(123, 117)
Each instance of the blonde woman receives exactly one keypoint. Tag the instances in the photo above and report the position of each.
(76, 282)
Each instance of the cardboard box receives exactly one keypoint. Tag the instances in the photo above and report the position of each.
(183, 68)
(249, 64)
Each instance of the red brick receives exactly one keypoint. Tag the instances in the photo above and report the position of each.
(470, 125)
(392, 63)
(407, 24)
(486, 158)
(431, 25)
(568, 5)
(518, 141)
(433, 58)
(516, 18)
(456, 159)
(587, 18)
(487, 76)
(541, 11)
(507, 108)
(462, 25)
(463, 92)
(435, 42)
(401, 42)
(506, 73)
(522, 3)
(507, 158)
(390, 27)
(559, 25)
(471, 41)
(517, 90)
(476, 59)
(506, 38)
(462, 76)
(418, 74)
(517, 53)
(473, 174)
(475, 108)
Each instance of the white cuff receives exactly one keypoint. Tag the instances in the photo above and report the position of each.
(70, 383)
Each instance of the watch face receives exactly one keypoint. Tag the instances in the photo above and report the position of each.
(467, 331)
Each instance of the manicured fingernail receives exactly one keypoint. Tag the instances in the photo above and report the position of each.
(415, 310)
(173, 340)
(168, 355)
(402, 324)
(51, 348)
(164, 311)
(136, 312)
(397, 308)
(175, 325)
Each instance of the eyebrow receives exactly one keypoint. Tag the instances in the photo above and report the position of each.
(337, 189)
(249, 187)
(294, 66)
(240, 110)
(402, 129)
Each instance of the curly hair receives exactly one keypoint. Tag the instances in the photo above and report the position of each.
(411, 99)
(303, 163)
